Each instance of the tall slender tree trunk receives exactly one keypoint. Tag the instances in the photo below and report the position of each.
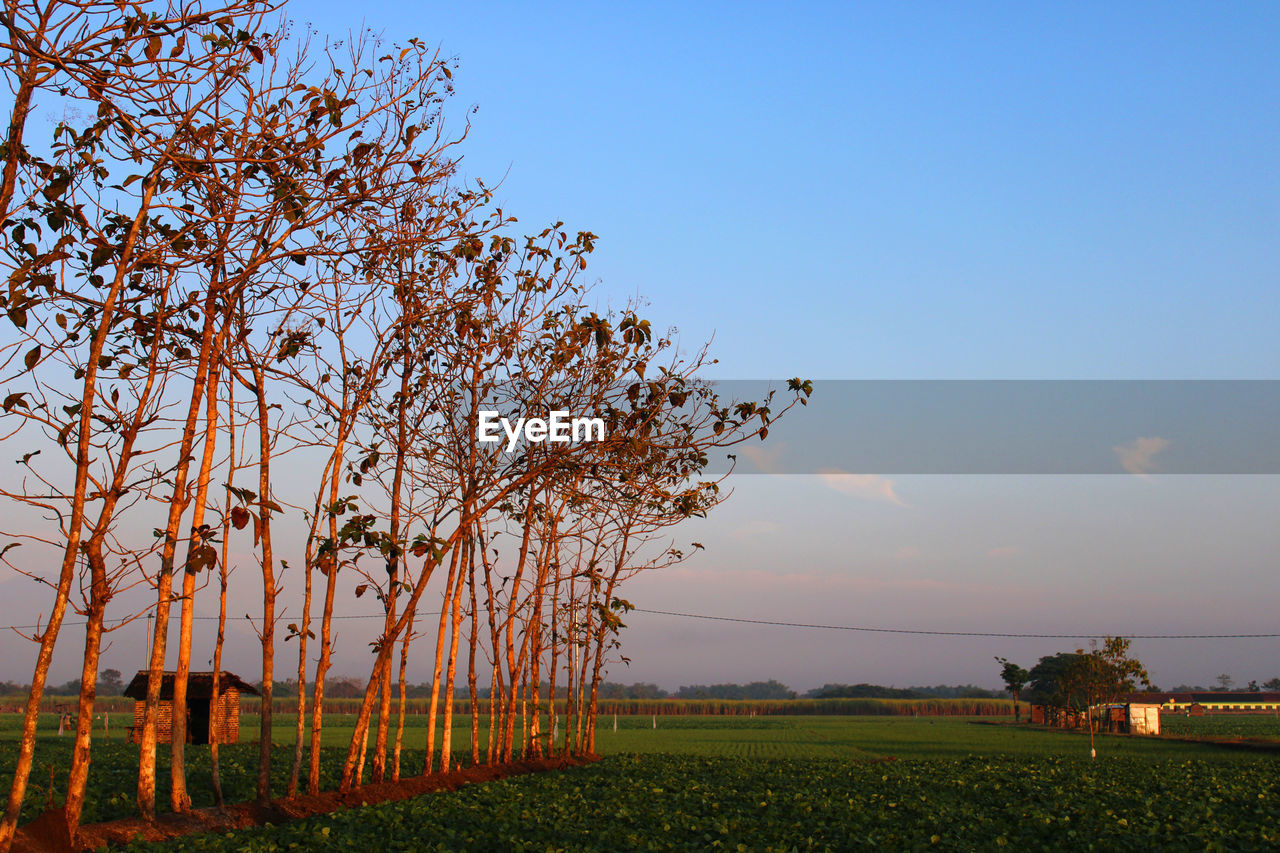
(439, 667)
(215, 701)
(179, 799)
(535, 666)
(333, 558)
(100, 591)
(404, 662)
(384, 723)
(322, 669)
(300, 723)
(455, 628)
(164, 589)
(524, 715)
(554, 668)
(215, 733)
(75, 523)
(79, 775)
(265, 509)
(304, 635)
(496, 691)
(513, 679)
(394, 557)
(602, 631)
(570, 680)
(471, 663)
(545, 567)
(364, 746)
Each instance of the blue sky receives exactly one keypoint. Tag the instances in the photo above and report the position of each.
(896, 191)
(929, 190)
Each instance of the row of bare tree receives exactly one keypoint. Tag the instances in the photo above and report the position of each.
(239, 250)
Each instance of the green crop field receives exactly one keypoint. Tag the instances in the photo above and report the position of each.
(1259, 726)
(665, 802)
(762, 783)
(872, 737)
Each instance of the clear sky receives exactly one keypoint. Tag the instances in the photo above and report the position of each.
(891, 191)
(929, 190)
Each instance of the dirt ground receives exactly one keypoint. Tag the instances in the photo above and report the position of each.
(48, 833)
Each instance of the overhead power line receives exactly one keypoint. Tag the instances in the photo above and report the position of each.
(208, 619)
(921, 632)
(821, 627)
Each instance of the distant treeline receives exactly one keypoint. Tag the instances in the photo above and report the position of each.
(344, 688)
(854, 706)
(735, 707)
(350, 688)
(875, 691)
(773, 689)
(815, 707)
(13, 703)
(755, 690)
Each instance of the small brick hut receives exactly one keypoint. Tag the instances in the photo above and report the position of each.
(204, 716)
(1135, 718)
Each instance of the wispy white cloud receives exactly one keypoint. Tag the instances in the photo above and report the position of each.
(868, 486)
(766, 459)
(1137, 457)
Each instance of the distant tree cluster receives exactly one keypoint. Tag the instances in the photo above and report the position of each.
(861, 691)
(876, 691)
(348, 687)
(1225, 681)
(1079, 682)
(755, 690)
(110, 683)
(1085, 678)
(1015, 678)
(957, 691)
(639, 690)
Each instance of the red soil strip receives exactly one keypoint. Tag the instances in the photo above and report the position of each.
(48, 833)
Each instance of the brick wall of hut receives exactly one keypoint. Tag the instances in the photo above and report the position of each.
(224, 718)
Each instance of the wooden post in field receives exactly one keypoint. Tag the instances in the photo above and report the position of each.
(655, 721)
(615, 721)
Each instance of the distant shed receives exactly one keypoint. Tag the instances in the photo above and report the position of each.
(1130, 717)
(204, 715)
(1133, 718)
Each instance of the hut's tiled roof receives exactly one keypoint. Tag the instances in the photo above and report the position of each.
(199, 685)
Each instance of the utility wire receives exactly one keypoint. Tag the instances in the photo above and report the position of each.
(211, 619)
(953, 633)
(817, 626)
